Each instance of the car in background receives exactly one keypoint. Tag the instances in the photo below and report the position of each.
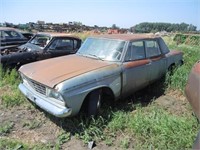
(42, 46)
(10, 38)
(106, 68)
(192, 91)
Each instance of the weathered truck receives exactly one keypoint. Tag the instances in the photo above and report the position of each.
(41, 46)
(105, 68)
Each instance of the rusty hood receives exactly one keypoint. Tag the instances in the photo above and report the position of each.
(192, 89)
(53, 71)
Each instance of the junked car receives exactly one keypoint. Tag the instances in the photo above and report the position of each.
(42, 46)
(105, 68)
(10, 38)
(192, 92)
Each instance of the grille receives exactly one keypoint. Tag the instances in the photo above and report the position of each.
(36, 86)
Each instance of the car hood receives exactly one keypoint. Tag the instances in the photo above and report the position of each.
(30, 47)
(53, 71)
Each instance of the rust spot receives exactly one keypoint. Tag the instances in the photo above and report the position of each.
(175, 52)
(137, 63)
(157, 57)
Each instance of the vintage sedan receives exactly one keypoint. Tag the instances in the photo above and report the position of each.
(105, 68)
(192, 92)
(10, 38)
(42, 46)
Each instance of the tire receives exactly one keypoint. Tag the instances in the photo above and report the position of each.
(94, 103)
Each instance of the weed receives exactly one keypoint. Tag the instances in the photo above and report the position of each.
(14, 98)
(155, 127)
(179, 77)
(32, 124)
(10, 77)
(109, 141)
(5, 128)
(63, 138)
(8, 144)
(125, 143)
(92, 129)
(119, 121)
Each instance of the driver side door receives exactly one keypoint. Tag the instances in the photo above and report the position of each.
(135, 68)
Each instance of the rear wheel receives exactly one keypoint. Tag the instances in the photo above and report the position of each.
(94, 103)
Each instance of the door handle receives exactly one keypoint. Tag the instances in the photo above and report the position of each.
(150, 61)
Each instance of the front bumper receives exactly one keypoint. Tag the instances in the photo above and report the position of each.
(44, 103)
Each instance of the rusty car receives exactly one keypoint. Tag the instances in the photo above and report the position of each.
(192, 91)
(10, 38)
(105, 68)
(41, 46)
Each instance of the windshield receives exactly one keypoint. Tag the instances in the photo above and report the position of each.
(104, 49)
(41, 40)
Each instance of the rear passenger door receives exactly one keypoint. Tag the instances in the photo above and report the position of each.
(158, 60)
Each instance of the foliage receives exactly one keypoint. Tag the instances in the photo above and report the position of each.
(155, 128)
(187, 39)
(11, 144)
(6, 127)
(147, 27)
(92, 129)
(191, 55)
(9, 82)
(32, 124)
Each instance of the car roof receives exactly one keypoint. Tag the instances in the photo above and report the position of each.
(8, 28)
(55, 34)
(127, 37)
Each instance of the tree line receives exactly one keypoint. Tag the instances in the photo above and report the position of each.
(147, 27)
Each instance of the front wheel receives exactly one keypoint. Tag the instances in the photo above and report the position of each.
(94, 103)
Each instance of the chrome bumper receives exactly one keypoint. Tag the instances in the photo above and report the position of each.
(43, 102)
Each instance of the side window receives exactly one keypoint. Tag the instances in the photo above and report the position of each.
(135, 51)
(11, 34)
(62, 44)
(152, 48)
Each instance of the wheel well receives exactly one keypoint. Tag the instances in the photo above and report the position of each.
(170, 68)
(181, 62)
(107, 97)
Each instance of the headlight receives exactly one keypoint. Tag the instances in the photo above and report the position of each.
(24, 79)
(54, 94)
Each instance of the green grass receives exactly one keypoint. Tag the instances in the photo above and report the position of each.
(12, 144)
(178, 80)
(32, 124)
(9, 82)
(6, 127)
(155, 128)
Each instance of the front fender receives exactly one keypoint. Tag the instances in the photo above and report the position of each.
(75, 90)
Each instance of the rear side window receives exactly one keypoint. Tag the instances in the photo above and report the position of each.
(152, 48)
(135, 51)
(11, 34)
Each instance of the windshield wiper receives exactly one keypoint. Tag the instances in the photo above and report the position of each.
(96, 56)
